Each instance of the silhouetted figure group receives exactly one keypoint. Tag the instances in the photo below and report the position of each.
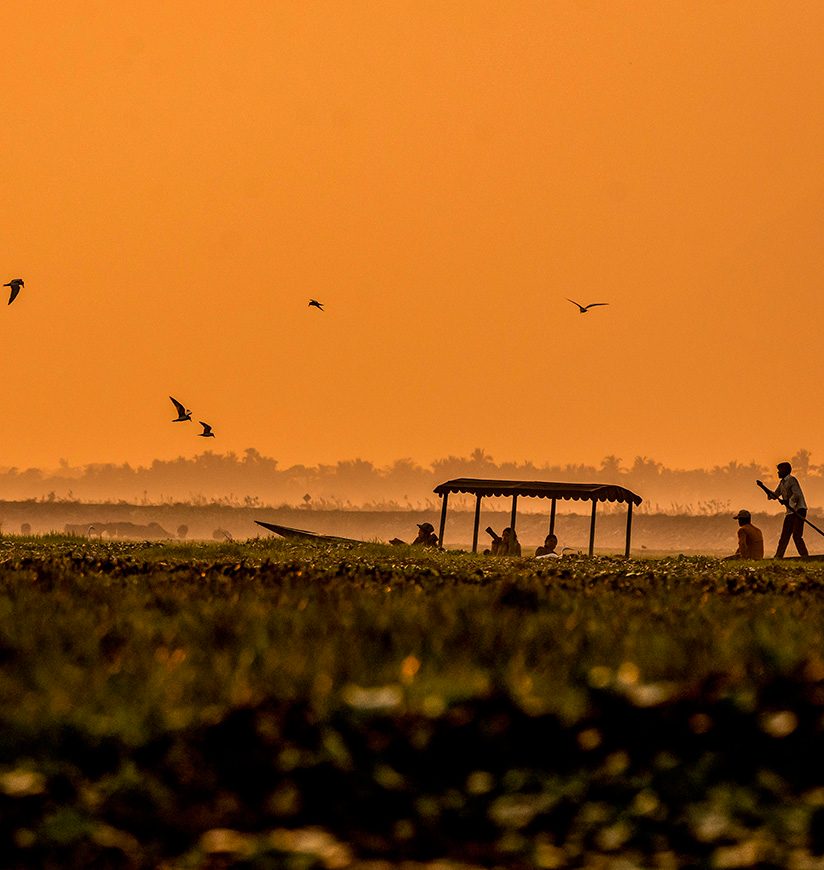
(788, 493)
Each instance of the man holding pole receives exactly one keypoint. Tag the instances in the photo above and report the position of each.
(788, 492)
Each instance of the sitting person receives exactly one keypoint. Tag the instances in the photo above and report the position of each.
(426, 537)
(750, 539)
(496, 542)
(547, 551)
(509, 544)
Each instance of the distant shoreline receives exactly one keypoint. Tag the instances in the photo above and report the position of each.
(653, 534)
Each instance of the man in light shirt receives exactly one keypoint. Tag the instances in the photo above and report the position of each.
(788, 492)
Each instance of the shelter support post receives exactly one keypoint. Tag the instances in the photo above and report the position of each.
(629, 530)
(445, 498)
(514, 511)
(552, 516)
(477, 523)
(592, 528)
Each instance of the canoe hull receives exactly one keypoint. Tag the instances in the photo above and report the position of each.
(302, 534)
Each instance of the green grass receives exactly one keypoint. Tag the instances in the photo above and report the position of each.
(147, 651)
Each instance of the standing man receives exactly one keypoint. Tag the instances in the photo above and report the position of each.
(788, 492)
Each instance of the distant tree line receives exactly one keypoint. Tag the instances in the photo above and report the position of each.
(253, 479)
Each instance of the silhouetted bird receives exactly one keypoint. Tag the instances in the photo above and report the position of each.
(182, 413)
(207, 431)
(15, 285)
(582, 309)
(313, 303)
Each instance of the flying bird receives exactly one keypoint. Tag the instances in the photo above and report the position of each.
(15, 285)
(582, 309)
(313, 303)
(207, 430)
(182, 413)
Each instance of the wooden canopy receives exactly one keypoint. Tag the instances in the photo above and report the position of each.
(593, 492)
(540, 489)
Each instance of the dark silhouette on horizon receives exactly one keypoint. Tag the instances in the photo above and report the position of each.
(403, 483)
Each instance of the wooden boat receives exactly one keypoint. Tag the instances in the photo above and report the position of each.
(302, 534)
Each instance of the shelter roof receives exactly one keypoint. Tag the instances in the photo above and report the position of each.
(540, 489)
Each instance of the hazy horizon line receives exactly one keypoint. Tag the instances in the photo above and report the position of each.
(800, 458)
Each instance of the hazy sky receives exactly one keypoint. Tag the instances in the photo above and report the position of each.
(178, 179)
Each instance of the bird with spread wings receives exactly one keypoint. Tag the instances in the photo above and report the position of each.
(582, 309)
(183, 414)
(15, 284)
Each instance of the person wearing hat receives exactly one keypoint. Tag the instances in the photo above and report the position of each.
(426, 536)
(750, 539)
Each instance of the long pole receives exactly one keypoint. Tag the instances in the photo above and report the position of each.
(629, 530)
(514, 510)
(592, 529)
(477, 523)
(445, 498)
(552, 516)
(781, 501)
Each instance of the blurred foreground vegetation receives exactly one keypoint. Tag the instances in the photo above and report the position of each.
(266, 704)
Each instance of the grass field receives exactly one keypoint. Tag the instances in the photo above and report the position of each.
(265, 704)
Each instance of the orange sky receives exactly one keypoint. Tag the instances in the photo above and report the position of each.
(179, 178)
